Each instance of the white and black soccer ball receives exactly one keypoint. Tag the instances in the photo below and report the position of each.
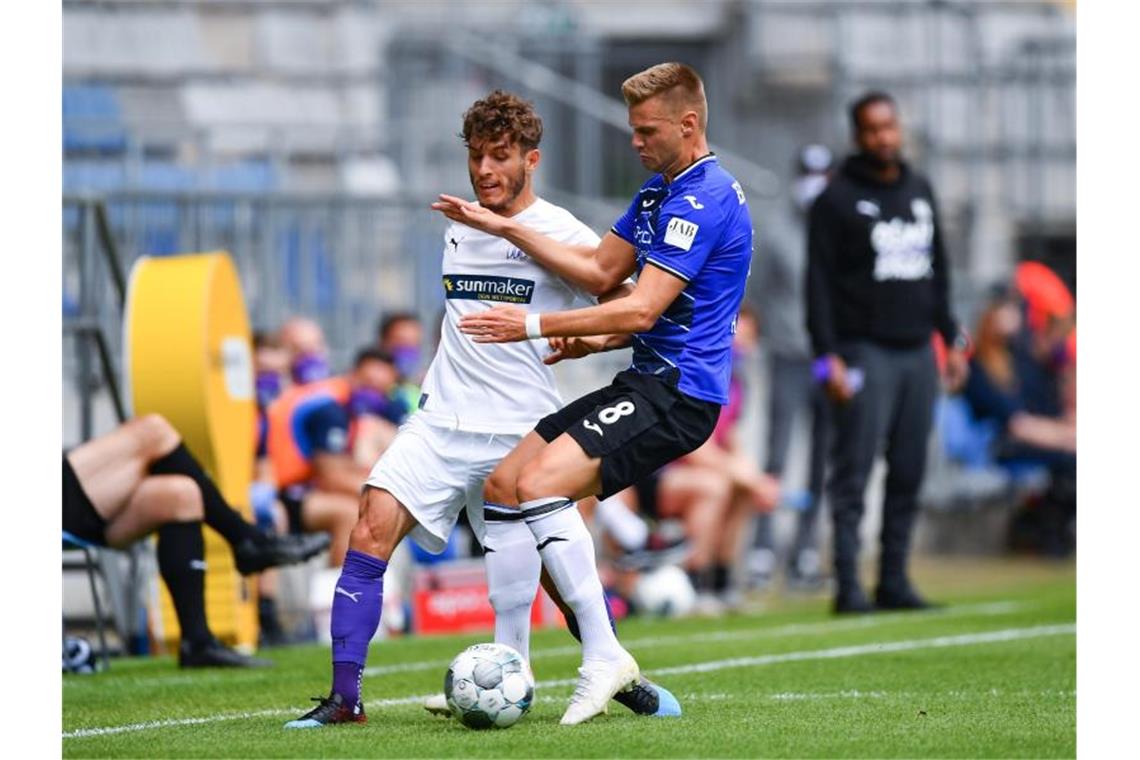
(665, 591)
(489, 686)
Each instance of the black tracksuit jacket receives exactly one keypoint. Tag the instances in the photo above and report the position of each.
(877, 268)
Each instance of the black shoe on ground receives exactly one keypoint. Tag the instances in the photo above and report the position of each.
(215, 654)
(852, 602)
(901, 599)
(272, 551)
(329, 711)
(648, 698)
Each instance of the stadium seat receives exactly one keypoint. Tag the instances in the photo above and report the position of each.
(71, 542)
(124, 583)
(92, 120)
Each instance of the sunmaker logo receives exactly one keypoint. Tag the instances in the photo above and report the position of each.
(488, 288)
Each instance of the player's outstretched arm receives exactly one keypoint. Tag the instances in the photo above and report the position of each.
(598, 269)
(576, 348)
(637, 312)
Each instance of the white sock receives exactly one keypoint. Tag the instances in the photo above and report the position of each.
(621, 522)
(568, 553)
(513, 570)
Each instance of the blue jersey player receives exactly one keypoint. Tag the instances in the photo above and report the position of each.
(688, 237)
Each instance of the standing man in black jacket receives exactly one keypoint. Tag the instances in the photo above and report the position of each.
(877, 288)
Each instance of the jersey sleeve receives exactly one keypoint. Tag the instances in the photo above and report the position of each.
(688, 229)
(326, 427)
(624, 227)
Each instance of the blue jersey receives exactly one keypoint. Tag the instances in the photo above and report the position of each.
(697, 228)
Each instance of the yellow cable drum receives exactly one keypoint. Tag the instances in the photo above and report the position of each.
(188, 358)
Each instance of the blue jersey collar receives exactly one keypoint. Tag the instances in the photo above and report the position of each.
(699, 162)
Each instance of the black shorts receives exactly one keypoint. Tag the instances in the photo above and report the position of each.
(635, 425)
(79, 516)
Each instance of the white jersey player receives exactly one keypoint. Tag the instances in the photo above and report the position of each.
(477, 403)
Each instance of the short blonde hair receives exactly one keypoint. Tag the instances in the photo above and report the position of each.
(679, 82)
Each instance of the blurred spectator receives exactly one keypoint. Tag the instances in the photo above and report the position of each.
(878, 284)
(304, 340)
(1015, 382)
(401, 334)
(271, 377)
(313, 432)
(141, 479)
(792, 391)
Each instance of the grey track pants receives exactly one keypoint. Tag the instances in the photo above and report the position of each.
(893, 409)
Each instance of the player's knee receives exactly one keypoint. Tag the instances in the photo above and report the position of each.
(156, 434)
(181, 499)
(499, 488)
(534, 483)
(377, 529)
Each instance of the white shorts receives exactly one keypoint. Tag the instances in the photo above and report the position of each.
(435, 472)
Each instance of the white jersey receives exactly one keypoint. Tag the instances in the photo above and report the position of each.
(498, 387)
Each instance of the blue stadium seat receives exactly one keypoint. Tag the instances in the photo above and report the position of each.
(93, 176)
(969, 442)
(250, 176)
(964, 439)
(92, 120)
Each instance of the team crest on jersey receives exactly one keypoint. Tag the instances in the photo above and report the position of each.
(488, 288)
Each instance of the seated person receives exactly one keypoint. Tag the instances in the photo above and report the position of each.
(1011, 386)
(141, 479)
(400, 334)
(1017, 381)
(319, 437)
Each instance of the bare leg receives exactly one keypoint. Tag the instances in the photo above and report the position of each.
(700, 496)
(500, 486)
(335, 514)
(158, 500)
(112, 466)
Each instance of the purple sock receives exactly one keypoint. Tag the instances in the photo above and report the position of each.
(356, 607)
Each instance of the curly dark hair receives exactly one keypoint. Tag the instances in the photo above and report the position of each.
(502, 113)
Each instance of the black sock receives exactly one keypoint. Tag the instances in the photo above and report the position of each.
(218, 514)
(181, 552)
(267, 615)
(720, 578)
(702, 579)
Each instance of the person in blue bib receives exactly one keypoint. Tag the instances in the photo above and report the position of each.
(687, 236)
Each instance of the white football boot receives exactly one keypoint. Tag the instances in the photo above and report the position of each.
(436, 704)
(598, 681)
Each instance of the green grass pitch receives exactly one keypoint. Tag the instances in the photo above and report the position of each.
(993, 674)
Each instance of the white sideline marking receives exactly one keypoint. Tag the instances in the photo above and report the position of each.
(884, 647)
(744, 634)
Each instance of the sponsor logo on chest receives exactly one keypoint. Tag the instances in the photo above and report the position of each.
(488, 288)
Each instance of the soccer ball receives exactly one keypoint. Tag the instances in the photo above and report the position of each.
(489, 686)
(665, 591)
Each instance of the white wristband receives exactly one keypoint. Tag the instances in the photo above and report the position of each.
(533, 327)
